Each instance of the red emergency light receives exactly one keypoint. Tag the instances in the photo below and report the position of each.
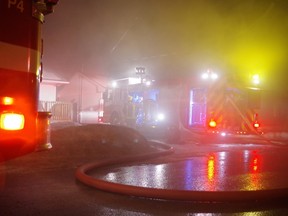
(212, 123)
(6, 100)
(256, 124)
(100, 119)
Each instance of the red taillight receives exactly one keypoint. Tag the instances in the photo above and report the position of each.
(212, 123)
(256, 125)
(100, 119)
(12, 121)
(7, 100)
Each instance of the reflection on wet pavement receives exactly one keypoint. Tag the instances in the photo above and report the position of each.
(217, 171)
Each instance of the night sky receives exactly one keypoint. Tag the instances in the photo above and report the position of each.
(169, 38)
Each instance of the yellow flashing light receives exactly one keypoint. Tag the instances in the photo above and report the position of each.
(256, 79)
(12, 121)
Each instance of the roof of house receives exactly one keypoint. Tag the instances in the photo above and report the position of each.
(53, 78)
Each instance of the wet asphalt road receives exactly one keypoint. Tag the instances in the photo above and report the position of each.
(44, 183)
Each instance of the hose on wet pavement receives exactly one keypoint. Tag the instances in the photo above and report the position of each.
(167, 194)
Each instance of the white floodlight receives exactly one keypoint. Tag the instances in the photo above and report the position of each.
(160, 117)
(114, 84)
(205, 76)
(214, 76)
(148, 83)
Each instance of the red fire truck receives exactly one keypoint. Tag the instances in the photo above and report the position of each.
(222, 106)
(20, 73)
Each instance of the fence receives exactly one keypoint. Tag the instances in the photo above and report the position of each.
(61, 111)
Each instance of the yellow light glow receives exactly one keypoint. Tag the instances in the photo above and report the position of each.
(12, 121)
(7, 101)
(256, 79)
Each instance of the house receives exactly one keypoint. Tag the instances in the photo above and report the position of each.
(84, 92)
(48, 98)
(48, 86)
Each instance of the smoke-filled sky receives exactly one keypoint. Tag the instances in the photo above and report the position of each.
(169, 38)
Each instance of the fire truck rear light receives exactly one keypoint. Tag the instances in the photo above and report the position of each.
(256, 125)
(7, 100)
(12, 121)
(212, 123)
(100, 119)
